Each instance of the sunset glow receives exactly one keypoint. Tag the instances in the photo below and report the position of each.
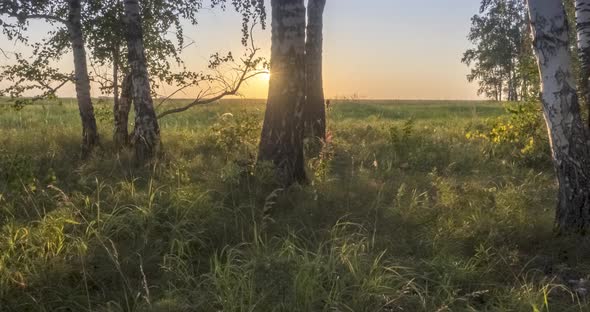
(265, 76)
(384, 55)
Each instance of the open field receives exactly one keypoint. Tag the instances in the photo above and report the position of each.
(404, 212)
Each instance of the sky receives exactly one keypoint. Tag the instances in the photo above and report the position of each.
(374, 49)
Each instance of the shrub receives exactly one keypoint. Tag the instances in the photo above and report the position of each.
(235, 134)
(520, 135)
(16, 171)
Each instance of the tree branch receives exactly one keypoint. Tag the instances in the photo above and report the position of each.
(245, 75)
(51, 91)
(47, 17)
(19, 11)
(248, 71)
(14, 13)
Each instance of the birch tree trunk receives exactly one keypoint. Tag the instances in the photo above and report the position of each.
(281, 140)
(147, 131)
(116, 62)
(121, 110)
(315, 109)
(567, 132)
(583, 33)
(90, 136)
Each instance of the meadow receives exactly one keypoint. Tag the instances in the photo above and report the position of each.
(411, 206)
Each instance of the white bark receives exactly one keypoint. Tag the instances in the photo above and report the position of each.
(147, 130)
(583, 33)
(121, 111)
(89, 130)
(583, 24)
(567, 133)
(550, 34)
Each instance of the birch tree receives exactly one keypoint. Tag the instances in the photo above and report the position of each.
(82, 81)
(583, 34)
(147, 131)
(68, 14)
(315, 111)
(281, 140)
(121, 108)
(567, 133)
(159, 18)
(106, 43)
(501, 60)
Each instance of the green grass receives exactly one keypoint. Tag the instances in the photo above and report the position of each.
(403, 213)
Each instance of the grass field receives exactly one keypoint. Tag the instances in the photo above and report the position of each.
(404, 212)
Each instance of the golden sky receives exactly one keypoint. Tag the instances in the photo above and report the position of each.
(379, 49)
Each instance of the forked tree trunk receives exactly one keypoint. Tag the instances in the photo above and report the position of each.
(583, 32)
(315, 109)
(281, 140)
(121, 110)
(90, 138)
(147, 131)
(567, 132)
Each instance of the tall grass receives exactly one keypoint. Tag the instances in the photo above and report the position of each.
(403, 213)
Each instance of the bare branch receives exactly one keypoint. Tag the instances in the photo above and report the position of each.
(246, 73)
(197, 102)
(51, 91)
(171, 95)
(229, 86)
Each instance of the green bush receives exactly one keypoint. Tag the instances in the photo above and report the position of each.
(521, 135)
(235, 134)
(17, 172)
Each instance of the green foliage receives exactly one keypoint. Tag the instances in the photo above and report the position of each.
(502, 60)
(236, 133)
(399, 138)
(35, 72)
(103, 28)
(521, 134)
(320, 165)
(103, 112)
(407, 215)
(17, 172)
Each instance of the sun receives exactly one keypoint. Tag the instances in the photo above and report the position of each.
(265, 76)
